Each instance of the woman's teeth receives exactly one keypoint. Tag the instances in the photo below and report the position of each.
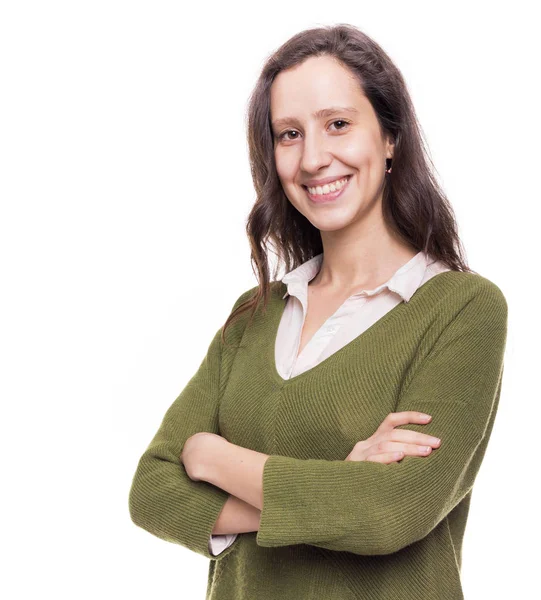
(329, 187)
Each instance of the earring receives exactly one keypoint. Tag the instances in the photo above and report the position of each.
(388, 170)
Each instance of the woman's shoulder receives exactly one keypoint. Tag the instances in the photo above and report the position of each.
(460, 288)
(479, 283)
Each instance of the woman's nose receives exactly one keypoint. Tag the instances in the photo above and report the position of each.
(315, 155)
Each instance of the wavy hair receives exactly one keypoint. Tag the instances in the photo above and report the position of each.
(413, 204)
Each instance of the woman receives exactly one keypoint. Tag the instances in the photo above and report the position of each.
(328, 447)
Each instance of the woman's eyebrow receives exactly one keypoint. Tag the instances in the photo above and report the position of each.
(324, 112)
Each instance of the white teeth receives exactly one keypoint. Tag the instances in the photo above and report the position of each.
(330, 187)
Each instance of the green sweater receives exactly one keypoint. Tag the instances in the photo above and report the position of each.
(330, 528)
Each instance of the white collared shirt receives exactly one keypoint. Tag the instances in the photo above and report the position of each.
(355, 315)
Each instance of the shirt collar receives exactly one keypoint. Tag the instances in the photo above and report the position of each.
(404, 281)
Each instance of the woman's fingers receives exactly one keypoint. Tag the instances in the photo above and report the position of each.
(393, 447)
(386, 457)
(387, 451)
(394, 451)
(404, 417)
(392, 420)
(407, 436)
(389, 444)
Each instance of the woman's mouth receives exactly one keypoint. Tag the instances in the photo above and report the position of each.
(339, 186)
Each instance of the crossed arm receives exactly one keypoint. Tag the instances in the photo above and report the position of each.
(362, 507)
(232, 468)
(237, 470)
(372, 508)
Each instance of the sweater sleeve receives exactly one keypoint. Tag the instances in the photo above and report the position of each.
(371, 508)
(163, 500)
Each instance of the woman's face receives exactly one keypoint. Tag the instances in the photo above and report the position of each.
(310, 146)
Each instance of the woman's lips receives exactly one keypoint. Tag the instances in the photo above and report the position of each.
(330, 197)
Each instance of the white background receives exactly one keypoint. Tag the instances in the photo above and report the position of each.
(125, 185)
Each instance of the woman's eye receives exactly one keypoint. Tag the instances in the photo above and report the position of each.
(286, 133)
(283, 135)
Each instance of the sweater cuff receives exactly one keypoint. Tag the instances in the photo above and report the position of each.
(278, 524)
(208, 502)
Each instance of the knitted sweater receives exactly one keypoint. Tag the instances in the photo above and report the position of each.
(358, 312)
(332, 528)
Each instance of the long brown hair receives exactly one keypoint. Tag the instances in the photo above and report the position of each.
(413, 203)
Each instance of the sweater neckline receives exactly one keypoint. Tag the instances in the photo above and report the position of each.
(278, 308)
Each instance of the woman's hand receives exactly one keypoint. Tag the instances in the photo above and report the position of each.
(388, 444)
(197, 451)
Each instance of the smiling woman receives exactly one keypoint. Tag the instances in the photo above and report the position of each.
(347, 141)
(321, 479)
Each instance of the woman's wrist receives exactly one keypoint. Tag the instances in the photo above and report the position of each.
(237, 516)
(234, 469)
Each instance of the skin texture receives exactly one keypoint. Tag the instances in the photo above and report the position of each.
(237, 470)
(237, 516)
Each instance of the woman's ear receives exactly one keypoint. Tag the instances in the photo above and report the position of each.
(389, 148)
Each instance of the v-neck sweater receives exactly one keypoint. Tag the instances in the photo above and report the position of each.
(332, 528)
(358, 312)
